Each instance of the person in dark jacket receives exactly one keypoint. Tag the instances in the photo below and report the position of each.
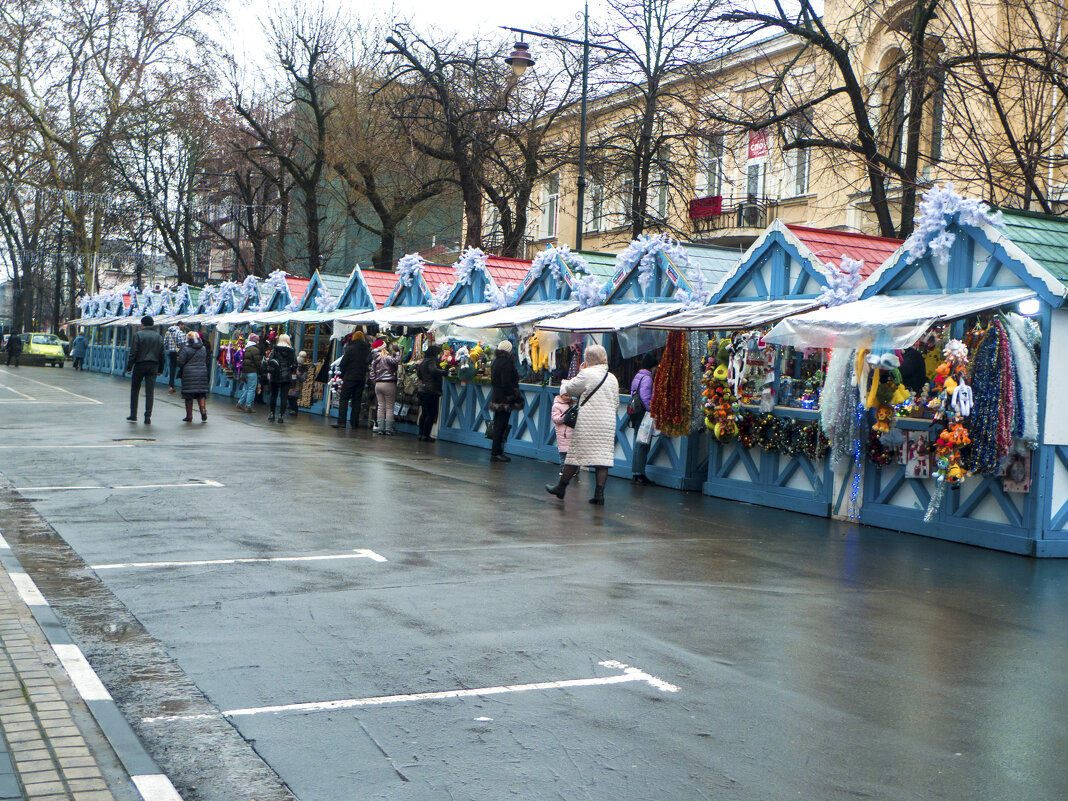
(193, 362)
(353, 369)
(281, 369)
(429, 373)
(78, 350)
(145, 361)
(506, 398)
(14, 348)
(251, 367)
(643, 386)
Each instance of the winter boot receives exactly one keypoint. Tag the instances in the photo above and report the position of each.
(559, 489)
(388, 430)
(598, 496)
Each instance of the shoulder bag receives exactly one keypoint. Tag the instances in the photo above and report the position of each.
(571, 415)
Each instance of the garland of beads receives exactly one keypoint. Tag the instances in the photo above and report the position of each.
(770, 432)
(987, 381)
(815, 442)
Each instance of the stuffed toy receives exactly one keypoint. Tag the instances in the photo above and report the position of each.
(884, 415)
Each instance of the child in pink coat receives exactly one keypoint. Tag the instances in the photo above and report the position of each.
(563, 433)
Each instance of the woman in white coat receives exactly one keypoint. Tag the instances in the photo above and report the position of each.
(594, 439)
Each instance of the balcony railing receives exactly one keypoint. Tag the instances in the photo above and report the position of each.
(718, 213)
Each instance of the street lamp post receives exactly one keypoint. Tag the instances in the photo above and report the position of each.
(520, 59)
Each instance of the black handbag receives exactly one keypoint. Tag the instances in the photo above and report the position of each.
(570, 417)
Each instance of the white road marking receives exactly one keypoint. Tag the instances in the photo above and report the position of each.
(15, 391)
(357, 553)
(3, 544)
(155, 787)
(198, 483)
(81, 673)
(53, 386)
(65, 447)
(27, 590)
(629, 674)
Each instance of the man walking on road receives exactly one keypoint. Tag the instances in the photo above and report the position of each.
(14, 348)
(146, 360)
(174, 342)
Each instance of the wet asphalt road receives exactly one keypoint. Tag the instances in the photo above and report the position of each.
(813, 660)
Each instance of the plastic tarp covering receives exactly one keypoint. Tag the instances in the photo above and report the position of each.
(605, 319)
(886, 322)
(519, 315)
(733, 316)
(95, 321)
(416, 316)
(122, 322)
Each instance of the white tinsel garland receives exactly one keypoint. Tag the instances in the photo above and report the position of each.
(275, 281)
(409, 268)
(939, 205)
(1023, 357)
(182, 298)
(589, 291)
(470, 260)
(499, 298)
(642, 254)
(226, 290)
(440, 296)
(843, 285)
(324, 301)
(552, 257)
(208, 297)
(700, 295)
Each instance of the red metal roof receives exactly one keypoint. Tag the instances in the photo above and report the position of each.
(436, 274)
(380, 283)
(506, 270)
(297, 286)
(830, 246)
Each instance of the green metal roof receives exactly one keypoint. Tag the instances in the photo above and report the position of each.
(1042, 237)
(602, 265)
(334, 284)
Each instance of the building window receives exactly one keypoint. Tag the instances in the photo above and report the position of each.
(594, 207)
(797, 163)
(550, 206)
(710, 175)
(754, 179)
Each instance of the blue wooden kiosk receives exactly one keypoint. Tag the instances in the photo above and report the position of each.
(632, 299)
(1021, 265)
(781, 274)
(547, 290)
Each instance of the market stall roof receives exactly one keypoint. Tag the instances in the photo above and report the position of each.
(830, 246)
(605, 319)
(519, 315)
(230, 318)
(1042, 237)
(887, 321)
(171, 319)
(308, 316)
(506, 270)
(413, 315)
(98, 321)
(732, 316)
(380, 283)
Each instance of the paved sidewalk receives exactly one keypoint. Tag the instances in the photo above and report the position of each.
(47, 730)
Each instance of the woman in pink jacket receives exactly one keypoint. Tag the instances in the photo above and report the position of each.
(563, 433)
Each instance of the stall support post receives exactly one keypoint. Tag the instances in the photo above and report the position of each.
(1044, 466)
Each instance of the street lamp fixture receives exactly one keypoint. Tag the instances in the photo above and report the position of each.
(519, 59)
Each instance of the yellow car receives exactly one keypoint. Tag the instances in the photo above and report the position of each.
(47, 347)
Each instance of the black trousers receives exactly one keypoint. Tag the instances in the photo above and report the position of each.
(351, 392)
(16, 354)
(78, 362)
(172, 357)
(500, 431)
(429, 404)
(283, 390)
(143, 373)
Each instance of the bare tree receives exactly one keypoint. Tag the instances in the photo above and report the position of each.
(305, 43)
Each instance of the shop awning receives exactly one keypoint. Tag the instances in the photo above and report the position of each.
(230, 318)
(887, 321)
(604, 319)
(732, 316)
(310, 316)
(518, 315)
(97, 321)
(122, 322)
(416, 316)
(171, 319)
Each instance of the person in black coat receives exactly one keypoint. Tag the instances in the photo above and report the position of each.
(281, 368)
(505, 398)
(145, 361)
(14, 348)
(430, 374)
(353, 368)
(193, 362)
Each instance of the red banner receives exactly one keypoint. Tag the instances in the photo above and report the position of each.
(702, 207)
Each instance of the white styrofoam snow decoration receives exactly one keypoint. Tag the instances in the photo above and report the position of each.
(548, 258)
(440, 296)
(182, 297)
(249, 286)
(470, 260)
(701, 293)
(409, 268)
(499, 298)
(930, 234)
(843, 285)
(324, 301)
(275, 281)
(208, 298)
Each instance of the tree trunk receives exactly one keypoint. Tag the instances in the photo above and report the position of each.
(387, 243)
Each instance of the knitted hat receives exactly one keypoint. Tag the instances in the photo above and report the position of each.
(253, 338)
(506, 346)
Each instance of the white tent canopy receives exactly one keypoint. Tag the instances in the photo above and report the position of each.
(732, 316)
(887, 321)
(518, 315)
(605, 319)
(416, 316)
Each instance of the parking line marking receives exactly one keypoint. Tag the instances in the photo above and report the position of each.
(20, 394)
(357, 553)
(27, 590)
(53, 386)
(81, 673)
(629, 674)
(66, 447)
(198, 483)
